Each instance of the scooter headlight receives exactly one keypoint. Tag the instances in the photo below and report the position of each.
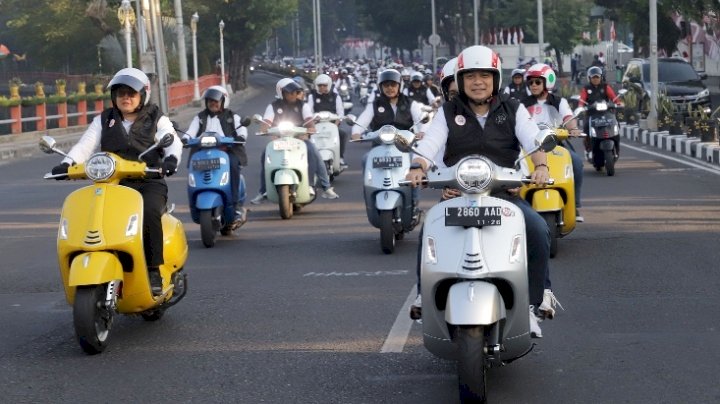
(208, 141)
(387, 134)
(100, 167)
(474, 174)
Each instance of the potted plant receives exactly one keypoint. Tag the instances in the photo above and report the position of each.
(703, 126)
(81, 89)
(39, 89)
(632, 114)
(60, 86)
(665, 112)
(14, 85)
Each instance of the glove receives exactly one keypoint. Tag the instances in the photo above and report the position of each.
(185, 139)
(60, 169)
(169, 165)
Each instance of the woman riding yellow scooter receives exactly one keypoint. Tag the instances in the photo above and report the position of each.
(118, 248)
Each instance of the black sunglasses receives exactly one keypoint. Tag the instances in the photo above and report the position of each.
(536, 82)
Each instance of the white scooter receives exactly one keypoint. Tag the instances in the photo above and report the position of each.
(474, 270)
(286, 168)
(327, 140)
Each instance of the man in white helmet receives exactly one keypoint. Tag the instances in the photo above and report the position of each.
(321, 98)
(216, 117)
(480, 121)
(127, 129)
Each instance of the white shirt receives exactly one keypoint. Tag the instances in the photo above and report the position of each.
(89, 142)
(212, 124)
(339, 110)
(548, 114)
(436, 133)
(368, 114)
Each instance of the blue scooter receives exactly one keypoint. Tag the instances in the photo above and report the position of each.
(209, 191)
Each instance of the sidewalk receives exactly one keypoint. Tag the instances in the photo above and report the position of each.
(707, 152)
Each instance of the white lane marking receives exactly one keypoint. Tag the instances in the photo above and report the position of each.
(358, 273)
(395, 341)
(700, 165)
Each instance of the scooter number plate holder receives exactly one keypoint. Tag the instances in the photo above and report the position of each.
(387, 162)
(206, 164)
(473, 216)
(282, 145)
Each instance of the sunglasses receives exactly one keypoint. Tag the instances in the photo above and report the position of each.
(535, 82)
(595, 77)
(123, 92)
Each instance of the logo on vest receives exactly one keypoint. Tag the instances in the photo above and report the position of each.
(500, 119)
(111, 123)
(381, 109)
(589, 91)
(280, 110)
(317, 100)
(460, 120)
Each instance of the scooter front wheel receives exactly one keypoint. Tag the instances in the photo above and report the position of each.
(387, 232)
(286, 207)
(552, 222)
(610, 162)
(472, 364)
(207, 231)
(92, 319)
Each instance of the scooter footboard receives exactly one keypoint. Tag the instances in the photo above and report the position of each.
(474, 303)
(547, 200)
(94, 268)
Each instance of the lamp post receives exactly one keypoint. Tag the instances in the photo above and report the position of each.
(222, 55)
(193, 27)
(126, 15)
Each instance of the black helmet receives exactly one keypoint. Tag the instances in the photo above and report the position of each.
(389, 75)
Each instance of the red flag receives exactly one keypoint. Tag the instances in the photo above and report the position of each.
(613, 35)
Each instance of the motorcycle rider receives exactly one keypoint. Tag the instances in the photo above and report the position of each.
(127, 129)
(517, 88)
(480, 120)
(346, 79)
(417, 91)
(544, 107)
(289, 107)
(430, 84)
(448, 86)
(596, 90)
(216, 118)
(322, 99)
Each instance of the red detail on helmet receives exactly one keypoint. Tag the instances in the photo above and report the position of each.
(460, 62)
(494, 62)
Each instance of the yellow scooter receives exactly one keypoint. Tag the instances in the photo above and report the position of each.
(100, 247)
(556, 202)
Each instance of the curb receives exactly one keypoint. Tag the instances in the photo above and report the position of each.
(707, 152)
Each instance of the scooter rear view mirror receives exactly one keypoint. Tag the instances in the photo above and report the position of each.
(257, 118)
(246, 121)
(547, 140)
(166, 140)
(47, 144)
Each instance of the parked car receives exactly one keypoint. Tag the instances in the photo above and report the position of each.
(676, 79)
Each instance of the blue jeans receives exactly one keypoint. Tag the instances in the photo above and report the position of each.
(538, 250)
(316, 166)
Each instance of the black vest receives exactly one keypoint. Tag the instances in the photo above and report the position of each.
(324, 102)
(497, 140)
(598, 93)
(418, 94)
(116, 140)
(517, 92)
(285, 111)
(383, 113)
(227, 123)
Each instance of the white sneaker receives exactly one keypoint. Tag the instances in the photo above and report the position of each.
(343, 163)
(258, 199)
(535, 331)
(330, 194)
(547, 307)
(578, 217)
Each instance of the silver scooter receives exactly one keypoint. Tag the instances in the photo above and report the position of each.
(474, 269)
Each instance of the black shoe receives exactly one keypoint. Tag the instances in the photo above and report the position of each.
(155, 280)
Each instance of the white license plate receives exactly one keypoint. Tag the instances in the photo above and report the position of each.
(282, 145)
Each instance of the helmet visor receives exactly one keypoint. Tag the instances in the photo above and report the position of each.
(130, 81)
(213, 94)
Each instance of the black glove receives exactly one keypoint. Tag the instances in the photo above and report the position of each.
(184, 140)
(169, 165)
(60, 169)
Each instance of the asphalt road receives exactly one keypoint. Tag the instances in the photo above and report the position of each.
(299, 311)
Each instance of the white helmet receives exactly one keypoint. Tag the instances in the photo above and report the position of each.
(322, 79)
(287, 85)
(447, 76)
(478, 57)
(543, 71)
(133, 78)
(217, 93)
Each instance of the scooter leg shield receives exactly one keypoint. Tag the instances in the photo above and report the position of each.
(547, 200)
(208, 200)
(326, 154)
(387, 200)
(607, 145)
(94, 268)
(285, 177)
(474, 303)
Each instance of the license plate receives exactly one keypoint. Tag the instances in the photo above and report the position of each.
(206, 164)
(387, 162)
(282, 145)
(473, 216)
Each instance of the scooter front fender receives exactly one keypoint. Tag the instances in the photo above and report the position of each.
(387, 200)
(474, 303)
(326, 154)
(607, 144)
(285, 177)
(208, 200)
(547, 200)
(94, 268)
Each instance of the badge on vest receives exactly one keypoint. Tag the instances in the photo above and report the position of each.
(589, 91)
(317, 100)
(280, 111)
(460, 120)
(111, 123)
(381, 109)
(500, 119)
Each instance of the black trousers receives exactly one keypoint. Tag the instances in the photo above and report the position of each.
(154, 193)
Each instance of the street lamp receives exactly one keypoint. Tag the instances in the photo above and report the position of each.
(126, 15)
(193, 27)
(222, 55)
